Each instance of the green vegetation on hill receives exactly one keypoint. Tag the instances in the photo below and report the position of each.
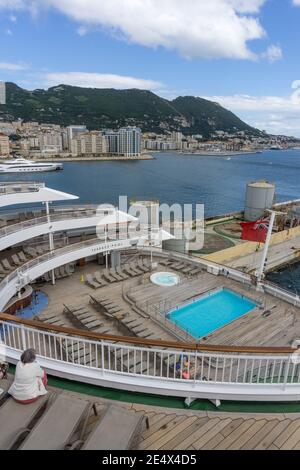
(109, 108)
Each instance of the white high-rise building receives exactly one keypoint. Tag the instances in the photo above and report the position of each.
(127, 142)
(130, 141)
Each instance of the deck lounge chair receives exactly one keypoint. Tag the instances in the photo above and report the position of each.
(121, 273)
(141, 265)
(108, 277)
(91, 325)
(135, 268)
(6, 265)
(114, 273)
(195, 271)
(58, 424)
(98, 277)
(16, 260)
(103, 330)
(14, 417)
(118, 429)
(166, 262)
(91, 282)
(22, 256)
(31, 252)
(129, 271)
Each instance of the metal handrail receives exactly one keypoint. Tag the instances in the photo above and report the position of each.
(9, 229)
(148, 342)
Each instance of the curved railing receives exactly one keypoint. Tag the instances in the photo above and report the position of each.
(35, 268)
(13, 228)
(157, 367)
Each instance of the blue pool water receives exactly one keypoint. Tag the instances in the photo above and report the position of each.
(39, 303)
(211, 312)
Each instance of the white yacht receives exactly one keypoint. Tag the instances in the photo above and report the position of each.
(21, 165)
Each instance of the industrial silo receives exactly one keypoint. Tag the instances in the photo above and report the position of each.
(259, 197)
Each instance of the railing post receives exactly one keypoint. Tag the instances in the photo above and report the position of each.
(286, 372)
(23, 338)
(102, 357)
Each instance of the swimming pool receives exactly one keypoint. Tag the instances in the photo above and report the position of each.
(38, 304)
(211, 312)
(165, 279)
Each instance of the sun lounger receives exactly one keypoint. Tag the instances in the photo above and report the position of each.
(32, 252)
(57, 426)
(16, 260)
(22, 257)
(121, 273)
(127, 269)
(136, 269)
(187, 269)
(141, 266)
(14, 417)
(6, 265)
(108, 277)
(2, 270)
(91, 282)
(195, 271)
(166, 262)
(118, 429)
(93, 324)
(139, 329)
(98, 277)
(114, 273)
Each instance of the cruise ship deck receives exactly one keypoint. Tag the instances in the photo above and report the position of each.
(103, 323)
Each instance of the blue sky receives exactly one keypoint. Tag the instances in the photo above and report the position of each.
(241, 53)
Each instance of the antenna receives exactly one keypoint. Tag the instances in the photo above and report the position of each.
(261, 270)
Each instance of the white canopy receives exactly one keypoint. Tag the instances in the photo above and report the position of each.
(38, 195)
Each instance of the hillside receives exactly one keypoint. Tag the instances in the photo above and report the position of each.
(109, 108)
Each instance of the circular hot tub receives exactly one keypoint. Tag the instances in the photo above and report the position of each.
(165, 279)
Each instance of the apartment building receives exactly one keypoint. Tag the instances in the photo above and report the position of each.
(4, 145)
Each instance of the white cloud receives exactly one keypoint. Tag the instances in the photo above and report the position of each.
(98, 80)
(276, 114)
(13, 18)
(8, 32)
(273, 53)
(12, 4)
(296, 3)
(194, 28)
(9, 67)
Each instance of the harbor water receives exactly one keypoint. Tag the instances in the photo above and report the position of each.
(217, 182)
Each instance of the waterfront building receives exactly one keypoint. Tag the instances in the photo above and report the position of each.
(129, 142)
(90, 143)
(74, 131)
(4, 145)
(126, 141)
(50, 141)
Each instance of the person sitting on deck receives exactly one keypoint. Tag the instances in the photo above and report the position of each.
(30, 379)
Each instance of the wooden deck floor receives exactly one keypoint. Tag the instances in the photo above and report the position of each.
(172, 429)
(280, 328)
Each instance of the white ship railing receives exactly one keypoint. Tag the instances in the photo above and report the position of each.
(13, 228)
(157, 367)
(17, 187)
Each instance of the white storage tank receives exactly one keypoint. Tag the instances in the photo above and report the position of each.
(259, 197)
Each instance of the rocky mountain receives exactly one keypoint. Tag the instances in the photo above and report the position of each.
(109, 108)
